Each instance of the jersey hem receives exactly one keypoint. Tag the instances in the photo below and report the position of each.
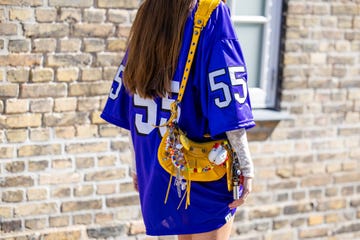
(247, 125)
(192, 231)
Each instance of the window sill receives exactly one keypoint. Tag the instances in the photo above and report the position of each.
(263, 115)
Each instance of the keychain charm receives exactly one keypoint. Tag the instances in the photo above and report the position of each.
(237, 178)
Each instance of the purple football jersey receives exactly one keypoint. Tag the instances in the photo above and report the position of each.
(216, 100)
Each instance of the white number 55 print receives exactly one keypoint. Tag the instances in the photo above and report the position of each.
(225, 88)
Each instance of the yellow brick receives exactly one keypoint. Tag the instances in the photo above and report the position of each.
(65, 132)
(94, 45)
(83, 219)
(68, 60)
(2, 76)
(65, 104)
(106, 189)
(137, 227)
(87, 147)
(60, 192)
(71, 13)
(107, 161)
(6, 152)
(42, 75)
(118, 15)
(117, 4)
(88, 89)
(17, 135)
(91, 74)
(35, 224)
(93, 30)
(36, 209)
(18, 46)
(88, 104)
(316, 180)
(109, 73)
(83, 191)
(41, 105)
(44, 45)
(15, 167)
(105, 175)
(350, 166)
(36, 166)
(16, 106)
(314, 233)
(67, 74)
(5, 212)
(109, 131)
(116, 45)
(37, 194)
(45, 14)
(85, 162)
(102, 218)
(86, 131)
(333, 167)
(59, 178)
(18, 75)
(12, 196)
(81, 205)
(65, 119)
(71, 3)
(124, 31)
(8, 29)
(61, 164)
(96, 119)
(1, 107)
(2, 14)
(332, 218)
(22, 2)
(59, 221)
(9, 90)
(315, 220)
(39, 150)
(23, 121)
(70, 45)
(43, 90)
(41, 134)
(94, 15)
(20, 60)
(44, 30)
(21, 14)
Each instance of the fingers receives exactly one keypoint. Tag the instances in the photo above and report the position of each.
(247, 189)
(236, 203)
(135, 182)
(240, 201)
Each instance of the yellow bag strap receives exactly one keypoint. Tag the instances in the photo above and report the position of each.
(202, 15)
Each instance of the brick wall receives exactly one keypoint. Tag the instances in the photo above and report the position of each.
(64, 173)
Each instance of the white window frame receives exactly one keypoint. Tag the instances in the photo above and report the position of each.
(265, 96)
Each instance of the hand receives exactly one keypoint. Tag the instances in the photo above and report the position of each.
(247, 188)
(135, 181)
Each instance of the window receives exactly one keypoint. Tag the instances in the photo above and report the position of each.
(257, 24)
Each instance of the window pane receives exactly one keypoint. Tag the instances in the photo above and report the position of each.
(251, 37)
(248, 8)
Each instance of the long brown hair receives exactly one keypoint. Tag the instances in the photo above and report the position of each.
(154, 46)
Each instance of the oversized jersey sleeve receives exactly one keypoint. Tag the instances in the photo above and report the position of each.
(228, 102)
(116, 110)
